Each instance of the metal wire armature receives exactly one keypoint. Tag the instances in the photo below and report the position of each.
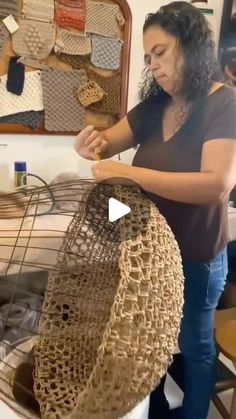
(90, 310)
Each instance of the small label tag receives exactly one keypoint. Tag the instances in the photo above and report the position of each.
(11, 24)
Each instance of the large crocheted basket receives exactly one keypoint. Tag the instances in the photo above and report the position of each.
(111, 313)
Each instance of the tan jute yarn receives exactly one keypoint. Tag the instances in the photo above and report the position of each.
(89, 92)
(111, 313)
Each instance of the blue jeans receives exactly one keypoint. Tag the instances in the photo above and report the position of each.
(204, 283)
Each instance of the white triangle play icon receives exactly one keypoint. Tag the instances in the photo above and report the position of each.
(116, 210)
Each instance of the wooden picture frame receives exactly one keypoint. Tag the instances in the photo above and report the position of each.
(124, 70)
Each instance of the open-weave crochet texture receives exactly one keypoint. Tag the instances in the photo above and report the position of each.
(72, 43)
(42, 10)
(11, 103)
(75, 61)
(70, 17)
(89, 92)
(106, 52)
(9, 7)
(110, 102)
(30, 119)
(33, 39)
(7, 367)
(111, 313)
(62, 109)
(104, 19)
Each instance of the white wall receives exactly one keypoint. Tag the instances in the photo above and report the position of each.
(49, 155)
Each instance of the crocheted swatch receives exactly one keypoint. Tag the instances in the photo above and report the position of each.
(70, 17)
(72, 43)
(75, 61)
(33, 39)
(15, 76)
(110, 102)
(104, 19)
(78, 4)
(41, 10)
(9, 7)
(106, 52)
(4, 34)
(62, 109)
(89, 92)
(30, 119)
(31, 98)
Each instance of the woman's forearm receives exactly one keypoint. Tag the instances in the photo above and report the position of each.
(192, 188)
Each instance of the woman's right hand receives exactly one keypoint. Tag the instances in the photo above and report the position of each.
(89, 144)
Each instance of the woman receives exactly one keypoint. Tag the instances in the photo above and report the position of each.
(186, 163)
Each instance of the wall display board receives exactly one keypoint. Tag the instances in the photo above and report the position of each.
(64, 64)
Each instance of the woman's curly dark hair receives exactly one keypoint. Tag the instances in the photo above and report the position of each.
(189, 26)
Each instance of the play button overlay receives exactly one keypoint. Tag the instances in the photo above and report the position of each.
(116, 210)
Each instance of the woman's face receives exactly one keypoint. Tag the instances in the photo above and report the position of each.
(164, 58)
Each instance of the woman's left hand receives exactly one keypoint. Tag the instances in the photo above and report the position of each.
(108, 169)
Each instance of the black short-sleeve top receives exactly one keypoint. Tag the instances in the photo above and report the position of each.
(201, 230)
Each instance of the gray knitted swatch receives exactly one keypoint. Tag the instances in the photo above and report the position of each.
(63, 113)
(106, 52)
(30, 119)
(9, 7)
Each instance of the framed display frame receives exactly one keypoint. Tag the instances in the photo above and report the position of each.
(99, 120)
